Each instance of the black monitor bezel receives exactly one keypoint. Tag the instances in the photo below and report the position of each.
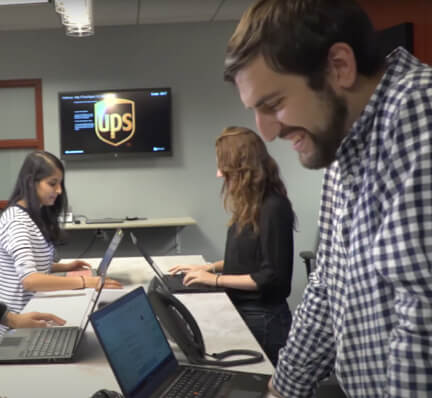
(114, 155)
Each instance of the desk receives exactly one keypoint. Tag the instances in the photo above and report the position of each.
(148, 223)
(91, 371)
(177, 222)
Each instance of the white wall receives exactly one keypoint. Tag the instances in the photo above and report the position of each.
(189, 59)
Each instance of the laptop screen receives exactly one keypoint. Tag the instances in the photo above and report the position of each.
(109, 253)
(103, 267)
(90, 308)
(149, 260)
(134, 344)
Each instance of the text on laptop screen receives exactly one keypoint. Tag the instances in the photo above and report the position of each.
(133, 340)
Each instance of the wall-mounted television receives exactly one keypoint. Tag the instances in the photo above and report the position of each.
(115, 123)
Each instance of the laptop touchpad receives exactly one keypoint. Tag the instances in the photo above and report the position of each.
(244, 394)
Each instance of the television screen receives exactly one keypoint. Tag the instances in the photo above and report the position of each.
(114, 123)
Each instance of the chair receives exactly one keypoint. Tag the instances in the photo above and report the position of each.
(309, 260)
(309, 256)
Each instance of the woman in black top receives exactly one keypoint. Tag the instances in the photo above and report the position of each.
(258, 263)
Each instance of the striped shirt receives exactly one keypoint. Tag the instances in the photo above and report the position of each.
(367, 310)
(23, 251)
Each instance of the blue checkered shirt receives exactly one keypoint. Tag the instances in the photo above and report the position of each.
(367, 310)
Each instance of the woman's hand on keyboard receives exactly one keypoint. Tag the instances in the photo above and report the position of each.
(94, 282)
(75, 265)
(32, 320)
(200, 276)
(186, 268)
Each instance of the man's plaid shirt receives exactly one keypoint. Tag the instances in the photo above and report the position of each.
(367, 310)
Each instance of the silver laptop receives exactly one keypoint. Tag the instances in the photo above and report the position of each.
(56, 344)
(144, 363)
(174, 283)
(104, 220)
(103, 265)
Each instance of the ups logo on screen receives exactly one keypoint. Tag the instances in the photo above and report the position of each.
(115, 120)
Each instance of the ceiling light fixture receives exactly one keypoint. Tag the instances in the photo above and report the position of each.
(15, 2)
(76, 16)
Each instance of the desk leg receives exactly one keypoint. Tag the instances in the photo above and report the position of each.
(177, 240)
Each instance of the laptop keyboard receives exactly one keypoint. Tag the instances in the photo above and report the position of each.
(197, 383)
(176, 283)
(49, 342)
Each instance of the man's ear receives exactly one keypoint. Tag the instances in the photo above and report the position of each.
(342, 66)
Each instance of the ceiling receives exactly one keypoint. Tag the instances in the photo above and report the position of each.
(124, 12)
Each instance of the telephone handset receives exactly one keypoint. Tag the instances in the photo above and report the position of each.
(182, 327)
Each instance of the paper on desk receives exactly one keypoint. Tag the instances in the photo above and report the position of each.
(61, 293)
(166, 262)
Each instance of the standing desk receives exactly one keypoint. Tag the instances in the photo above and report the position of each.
(177, 222)
(91, 371)
(147, 223)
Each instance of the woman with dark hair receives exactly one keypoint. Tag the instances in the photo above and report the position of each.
(29, 229)
(258, 263)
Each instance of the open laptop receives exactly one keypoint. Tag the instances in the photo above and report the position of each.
(173, 282)
(144, 363)
(56, 344)
(109, 220)
(103, 265)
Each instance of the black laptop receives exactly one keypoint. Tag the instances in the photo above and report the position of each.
(173, 282)
(144, 363)
(53, 344)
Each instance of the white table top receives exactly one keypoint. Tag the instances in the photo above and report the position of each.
(147, 223)
(91, 370)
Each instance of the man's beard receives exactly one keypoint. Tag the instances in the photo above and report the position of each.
(327, 140)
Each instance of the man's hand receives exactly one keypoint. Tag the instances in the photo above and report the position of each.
(32, 320)
(272, 389)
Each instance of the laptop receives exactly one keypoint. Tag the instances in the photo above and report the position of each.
(104, 220)
(144, 363)
(56, 344)
(174, 283)
(103, 265)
